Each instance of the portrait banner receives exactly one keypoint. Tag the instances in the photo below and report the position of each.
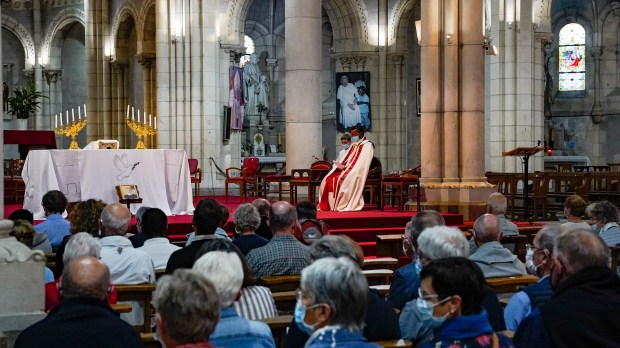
(353, 100)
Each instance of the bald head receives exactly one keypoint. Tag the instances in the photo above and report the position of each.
(85, 277)
(486, 229)
(115, 220)
(282, 217)
(581, 249)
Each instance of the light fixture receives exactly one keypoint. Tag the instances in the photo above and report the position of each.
(489, 49)
(418, 30)
(449, 39)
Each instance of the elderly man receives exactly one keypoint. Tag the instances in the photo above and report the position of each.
(381, 323)
(83, 318)
(437, 243)
(207, 217)
(585, 307)
(347, 97)
(284, 254)
(55, 226)
(493, 259)
(224, 270)
(496, 205)
(155, 228)
(406, 280)
(187, 307)
(539, 260)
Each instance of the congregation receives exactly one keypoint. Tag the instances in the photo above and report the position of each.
(209, 294)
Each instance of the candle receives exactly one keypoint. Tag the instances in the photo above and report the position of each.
(79, 113)
(84, 110)
(72, 115)
(56, 121)
(155, 121)
(61, 119)
(279, 138)
(132, 114)
(145, 117)
(138, 115)
(150, 119)
(127, 110)
(67, 117)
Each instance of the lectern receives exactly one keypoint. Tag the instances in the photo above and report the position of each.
(525, 153)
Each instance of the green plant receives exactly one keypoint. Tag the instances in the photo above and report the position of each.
(25, 101)
(248, 146)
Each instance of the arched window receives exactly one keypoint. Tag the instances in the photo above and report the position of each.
(248, 43)
(572, 58)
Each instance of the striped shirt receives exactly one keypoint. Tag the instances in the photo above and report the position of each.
(610, 234)
(256, 303)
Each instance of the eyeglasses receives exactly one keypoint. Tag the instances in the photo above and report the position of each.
(426, 302)
(300, 295)
(530, 247)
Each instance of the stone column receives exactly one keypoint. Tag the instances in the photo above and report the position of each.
(147, 63)
(271, 67)
(39, 119)
(52, 77)
(398, 126)
(303, 81)
(119, 102)
(597, 109)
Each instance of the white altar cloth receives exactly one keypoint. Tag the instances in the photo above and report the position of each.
(162, 177)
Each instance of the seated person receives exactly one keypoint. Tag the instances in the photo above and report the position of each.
(256, 302)
(154, 226)
(40, 240)
(437, 243)
(79, 244)
(24, 232)
(224, 270)
(493, 259)
(539, 260)
(451, 293)
(604, 220)
(187, 309)
(497, 205)
(284, 254)
(406, 280)
(247, 220)
(55, 226)
(343, 186)
(331, 304)
(138, 239)
(574, 209)
(311, 228)
(380, 322)
(219, 232)
(263, 206)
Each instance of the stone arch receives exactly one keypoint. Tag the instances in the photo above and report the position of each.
(127, 9)
(24, 37)
(401, 18)
(146, 25)
(62, 19)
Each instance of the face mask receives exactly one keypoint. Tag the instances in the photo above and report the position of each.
(529, 262)
(595, 228)
(426, 310)
(345, 146)
(300, 315)
(355, 139)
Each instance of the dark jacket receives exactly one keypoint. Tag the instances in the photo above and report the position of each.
(184, 258)
(583, 312)
(80, 322)
(381, 324)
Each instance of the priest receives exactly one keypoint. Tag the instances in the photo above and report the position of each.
(343, 186)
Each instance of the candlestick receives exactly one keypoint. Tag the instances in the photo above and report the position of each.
(279, 138)
(61, 119)
(72, 115)
(79, 113)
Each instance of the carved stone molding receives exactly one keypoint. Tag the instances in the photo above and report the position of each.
(52, 76)
(23, 35)
(271, 64)
(346, 62)
(119, 68)
(235, 51)
(147, 61)
(397, 59)
(359, 60)
(544, 37)
(29, 73)
(63, 18)
(596, 51)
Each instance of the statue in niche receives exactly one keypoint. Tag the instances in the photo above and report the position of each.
(549, 85)
(263, 94)
(251, 85)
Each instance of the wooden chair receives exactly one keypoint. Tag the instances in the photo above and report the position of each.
(248, 174)
(311, 178)
(373, 183)
(502, 285)
(280, 283)
(195, 175)
(142, 293)
(277, 178)
(14, 187)
(394, 344)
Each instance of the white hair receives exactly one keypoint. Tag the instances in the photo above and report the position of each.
(224, 270)
(442, 241)
(81, 244)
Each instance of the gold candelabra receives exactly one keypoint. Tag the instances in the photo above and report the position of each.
(141, 130)
(71, 130)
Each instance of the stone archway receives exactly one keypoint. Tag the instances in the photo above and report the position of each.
(62, 19)
(24, 37)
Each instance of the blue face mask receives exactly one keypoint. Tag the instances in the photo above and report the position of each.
(300, 315)
(355, 139)
(595, 228)
(426, 310)
(345, 146)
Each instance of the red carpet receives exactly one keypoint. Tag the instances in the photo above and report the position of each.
(362, 226)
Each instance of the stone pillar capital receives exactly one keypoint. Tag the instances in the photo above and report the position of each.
(346, 62)
(119, 68)
(397, 59)
(544, 37)
(147, 61)
(271, 63)
(29, 73)
(359, 60)
(51, 76)
(596, 51)
(235, 51)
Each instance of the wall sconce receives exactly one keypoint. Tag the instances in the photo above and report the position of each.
(418, 30)
(489, 49)
(449, 39)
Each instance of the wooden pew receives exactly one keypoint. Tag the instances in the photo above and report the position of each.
(502, 285)
(602, 186)
(614, 253)
(549, 197)
(285, 301)
(280, 283)
(395, 344)
(121, 307)
(142, 293)
(380, 263)
(278, 327)
(389, 245)
(378, 276)
(519, 243)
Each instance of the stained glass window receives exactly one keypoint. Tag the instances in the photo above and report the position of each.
(572, 58)
(248, 43)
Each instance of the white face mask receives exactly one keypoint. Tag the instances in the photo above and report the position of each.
(355, 139)
(529, 262)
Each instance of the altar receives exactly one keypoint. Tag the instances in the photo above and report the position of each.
(162, 176)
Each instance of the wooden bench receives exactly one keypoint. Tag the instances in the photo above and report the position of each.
(502, 285)
(378, 276)
(280, 283)
(278, 326)
(380, 263)
(142, 293)
(389, 245)
(382, 289)
(121, 307)
(395, 343)
(285, 301)
(519, 243)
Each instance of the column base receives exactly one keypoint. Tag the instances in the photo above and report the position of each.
(467, 199)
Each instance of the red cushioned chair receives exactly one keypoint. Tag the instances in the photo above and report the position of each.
(246, 177)
(310, 178)
(195, 175)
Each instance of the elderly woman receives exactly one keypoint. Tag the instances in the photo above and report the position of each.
(247, 219)
(574, 208)
(451, 294)
(433, 244)
(24, 233)
(331, 304)
(604, 221)
(79, 244)
(255, 302)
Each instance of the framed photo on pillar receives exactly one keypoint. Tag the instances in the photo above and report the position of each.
(418, 90)
(235, 97)
(353, 100)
